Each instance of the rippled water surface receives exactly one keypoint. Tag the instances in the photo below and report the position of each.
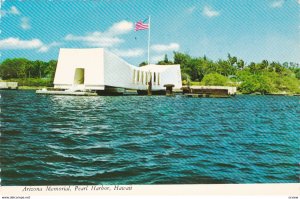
(62, 140)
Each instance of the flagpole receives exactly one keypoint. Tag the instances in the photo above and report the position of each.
(149, 42)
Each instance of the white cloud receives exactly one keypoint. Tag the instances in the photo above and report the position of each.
(108, 38)
(210, 12)
(120, 28)
(46, 47)
(129, 53)
(277, 4)
(96, 39)
(164, 48)
(25, 24)
(14, 11)
(43, 49)
(12, 43)
(191, 10)
(299, 1)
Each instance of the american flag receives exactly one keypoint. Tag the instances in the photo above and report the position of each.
(140, 25)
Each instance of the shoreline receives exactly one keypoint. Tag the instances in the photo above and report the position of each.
(31, 87)
(34, 88)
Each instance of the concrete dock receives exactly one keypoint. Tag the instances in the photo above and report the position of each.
(206, 95)
(209, 91)
(8, 85)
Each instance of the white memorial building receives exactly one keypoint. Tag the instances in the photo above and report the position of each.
(99, 69)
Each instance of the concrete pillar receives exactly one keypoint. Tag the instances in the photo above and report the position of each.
(150, 85)
(169, 89)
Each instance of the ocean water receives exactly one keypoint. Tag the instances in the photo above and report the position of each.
(68, 140)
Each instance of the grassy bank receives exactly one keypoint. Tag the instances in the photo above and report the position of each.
(31, 82)
(30, 87)
(248, 83)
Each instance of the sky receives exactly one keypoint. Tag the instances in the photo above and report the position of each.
(249, 29)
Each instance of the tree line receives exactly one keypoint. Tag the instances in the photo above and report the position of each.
(27, 72)
(263, 77)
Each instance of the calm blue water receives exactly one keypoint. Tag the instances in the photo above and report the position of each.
(62, 140)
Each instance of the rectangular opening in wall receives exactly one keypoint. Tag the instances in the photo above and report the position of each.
(79, 76)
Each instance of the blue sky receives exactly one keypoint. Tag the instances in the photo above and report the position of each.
(250, 29)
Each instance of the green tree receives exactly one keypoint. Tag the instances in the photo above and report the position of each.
(232, 60)
(144, 63)
(215, 79)
(249, 84)
(297, 73)
(165, 61)
(186, 79)
(241, 64)
(182, 59)
(14, 68)
(50, 69)
(225, 68)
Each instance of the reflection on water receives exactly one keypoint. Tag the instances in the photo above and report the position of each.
(148, 140)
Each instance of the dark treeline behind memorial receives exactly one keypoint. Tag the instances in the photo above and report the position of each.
(262, 77)
(27, 72)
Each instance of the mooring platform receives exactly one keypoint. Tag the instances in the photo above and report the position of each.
(206, 95)
(8, 85)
